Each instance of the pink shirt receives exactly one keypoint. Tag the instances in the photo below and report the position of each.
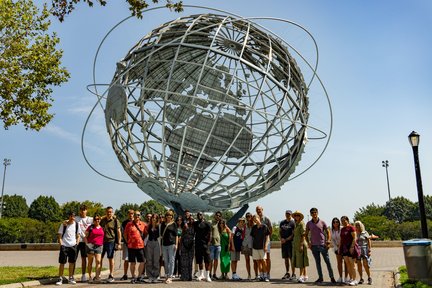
(96, 236)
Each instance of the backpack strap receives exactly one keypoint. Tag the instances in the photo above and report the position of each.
(65, 227)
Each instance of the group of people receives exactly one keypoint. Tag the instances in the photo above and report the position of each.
(176, 243)
(351, 245)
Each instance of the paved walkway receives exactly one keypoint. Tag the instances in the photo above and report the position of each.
(385, 262)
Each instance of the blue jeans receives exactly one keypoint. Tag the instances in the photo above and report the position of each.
(316, 251)
(168, 253)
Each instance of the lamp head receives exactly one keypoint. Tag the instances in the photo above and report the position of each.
(414, 139)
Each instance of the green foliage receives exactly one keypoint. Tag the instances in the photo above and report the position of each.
(69, 206)
(428, 206)
(92, 208)
(152, 206)
(45, 208)
(369, 210)
(275, 234)
(15, 206)
(122, 212)
(61, 8)
(26, 230)
(407, 283)
(30, 64)
(400, 209)
(381, 226)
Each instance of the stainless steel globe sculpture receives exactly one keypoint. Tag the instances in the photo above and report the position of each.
(208, 112)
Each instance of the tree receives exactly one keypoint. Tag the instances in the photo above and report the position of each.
(92, 208)
(122, 212)
(400, 209)
(428, 206)
(369, 210)
(152, 206)
(45, 209)
(69, 206)
(30, 64)
(61, 8)
(15, 206)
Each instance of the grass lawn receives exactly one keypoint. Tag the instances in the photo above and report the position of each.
(17, 274)
(407, 283)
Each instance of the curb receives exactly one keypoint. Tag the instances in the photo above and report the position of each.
(396, 278)
(40, 282)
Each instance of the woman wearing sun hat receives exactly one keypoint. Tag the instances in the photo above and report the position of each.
(300, 258)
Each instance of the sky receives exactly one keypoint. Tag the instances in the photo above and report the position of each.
(375, 63)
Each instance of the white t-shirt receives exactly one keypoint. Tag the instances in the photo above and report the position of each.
(83, 223)
(69, 238)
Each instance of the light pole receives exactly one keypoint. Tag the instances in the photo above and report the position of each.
(414, 139)
(6, 162)
(386, 165)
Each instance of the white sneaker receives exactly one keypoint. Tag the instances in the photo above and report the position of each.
(84, 278)
(72, 280)
(201, 276)
(301, 279)
(208, 278)
(340, 280)
(60, 281)
(353, 283)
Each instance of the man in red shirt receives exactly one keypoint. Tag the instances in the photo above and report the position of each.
(134, 234)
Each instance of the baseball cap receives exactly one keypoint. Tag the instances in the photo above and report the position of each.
(288, 212)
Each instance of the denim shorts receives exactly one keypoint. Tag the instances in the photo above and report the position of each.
(108, 248)
(215, 252)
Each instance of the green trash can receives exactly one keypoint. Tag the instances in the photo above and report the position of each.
(418, 259)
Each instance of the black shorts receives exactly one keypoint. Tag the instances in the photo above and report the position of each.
(202, 253)
(136, 255)
(286, 249)
(108, 249)
(81, 248)
(67, 254)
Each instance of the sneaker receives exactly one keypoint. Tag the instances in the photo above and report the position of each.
(83, 278)
(257, 278)
(353, 283)
(319, 280)
(305, 278)
(300, 279)
(286, 276)
(266, 279)
(292, 278)
(235, 277)
(168, 280)
(208, 279)
(370, 281)
(97, 279)
(133, 281)
(124, 277)
(361, 281)
(214, 277)
(333, 280)
(110, 279)
(195, 274)
(60, 281)
(340, 280)
(71, 281)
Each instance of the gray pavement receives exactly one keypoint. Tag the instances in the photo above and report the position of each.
(385, 262)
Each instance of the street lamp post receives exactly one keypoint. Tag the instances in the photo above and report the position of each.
(414, 139)
(386, 165)
(6, 162)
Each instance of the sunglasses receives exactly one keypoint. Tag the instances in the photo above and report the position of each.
(97, 219)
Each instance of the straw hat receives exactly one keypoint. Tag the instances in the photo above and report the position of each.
(298, 213)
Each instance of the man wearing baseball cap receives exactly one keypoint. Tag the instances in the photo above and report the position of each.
(286, 233)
